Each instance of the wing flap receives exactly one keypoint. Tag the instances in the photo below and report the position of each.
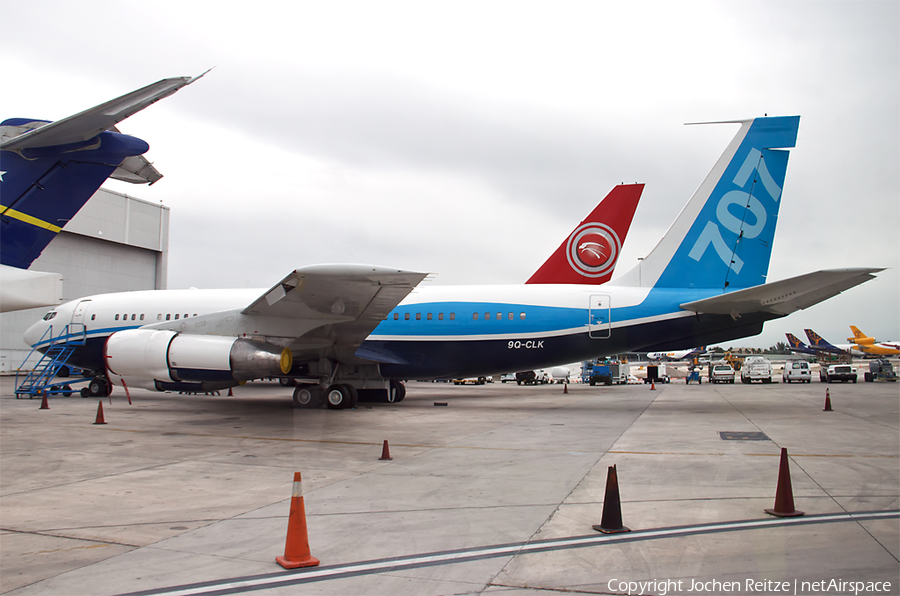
(785, 296)
(352, 299)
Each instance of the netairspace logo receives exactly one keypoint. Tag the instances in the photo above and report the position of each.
(662, 587)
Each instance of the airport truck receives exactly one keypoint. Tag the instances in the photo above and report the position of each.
(604, 372)
(880, 369)
(756, 368)
(531, 377)
(837, 372)
(656, 373)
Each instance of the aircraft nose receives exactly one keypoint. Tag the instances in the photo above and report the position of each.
(33, 334)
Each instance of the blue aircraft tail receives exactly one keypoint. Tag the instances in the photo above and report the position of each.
(723, 237)
(795, 342)
(817, 341)
(39, 195)
(49, 170)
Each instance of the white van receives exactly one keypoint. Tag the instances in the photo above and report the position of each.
(796, 371)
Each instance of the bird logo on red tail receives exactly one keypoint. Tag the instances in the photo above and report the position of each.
(592, 249)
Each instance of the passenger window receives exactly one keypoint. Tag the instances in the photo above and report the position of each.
(429, 316)
(159, 317)
(117, 317)
(405, 316)
(453, 316)
(185, 315)
(142, 317)
(499, 315)
(474, 316)
(510, 316)
(521, 315)
(396, 316)
(132, 317)
(418, 316)
(93, 317)
(440, 316)
(176, 316)
(168, 316)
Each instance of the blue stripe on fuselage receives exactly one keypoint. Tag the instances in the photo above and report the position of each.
(538, 319)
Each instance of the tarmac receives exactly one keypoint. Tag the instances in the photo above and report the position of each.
(494, 493)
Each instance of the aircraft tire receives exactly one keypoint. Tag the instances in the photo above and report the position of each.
(337, 397)
(353, 393)
(306, 397)
(98, 387)
(67, 390)
(397, 391)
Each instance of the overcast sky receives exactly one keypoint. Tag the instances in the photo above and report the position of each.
(468, 139)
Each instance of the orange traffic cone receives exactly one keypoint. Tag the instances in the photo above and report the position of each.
(652, 384)
(827, 402)
(784, 494)
(385, 452)
(44, 404)
(296, 546)
(100, 419)
(230, 392)
(611, 520)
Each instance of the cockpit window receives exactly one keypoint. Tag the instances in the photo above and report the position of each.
(49, 315)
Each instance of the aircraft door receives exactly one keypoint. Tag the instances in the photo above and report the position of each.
(599, 316)
(78, 314)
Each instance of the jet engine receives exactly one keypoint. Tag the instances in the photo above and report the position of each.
(164, 360)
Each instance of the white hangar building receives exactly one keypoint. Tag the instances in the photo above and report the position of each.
(115, 243)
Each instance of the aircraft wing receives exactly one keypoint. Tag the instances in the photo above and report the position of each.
(785, 296)
(91, 122)
(351, 299)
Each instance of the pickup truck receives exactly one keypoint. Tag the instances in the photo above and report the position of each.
(837, 372)
(756, 368)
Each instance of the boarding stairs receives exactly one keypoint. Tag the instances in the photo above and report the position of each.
(39, 381)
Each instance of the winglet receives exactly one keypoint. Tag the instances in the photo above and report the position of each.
(86, 125)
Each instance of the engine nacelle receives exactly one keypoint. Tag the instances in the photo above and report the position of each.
(166, 360)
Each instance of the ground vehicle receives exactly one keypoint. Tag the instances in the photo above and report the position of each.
(531, 377)
(837, 372)
(756, 368)
(880, 369)
(693, 375)
(720, 372)
(796, 371)
(472, 380)
(559, 374)
(508, 377)
(656, 373)
(605, 372)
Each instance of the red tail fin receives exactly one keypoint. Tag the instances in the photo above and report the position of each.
(589, 254)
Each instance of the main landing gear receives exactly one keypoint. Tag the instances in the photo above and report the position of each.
(342, 396)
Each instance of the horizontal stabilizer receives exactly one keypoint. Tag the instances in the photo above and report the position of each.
(91, 122)
(786, 296)
(136, 170)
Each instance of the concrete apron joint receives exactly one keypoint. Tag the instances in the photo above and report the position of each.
(309, 575)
